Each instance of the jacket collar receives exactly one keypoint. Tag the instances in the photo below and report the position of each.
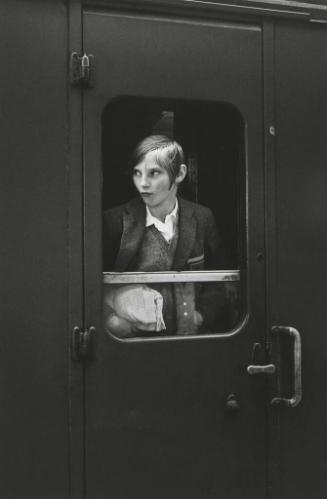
(133, 230)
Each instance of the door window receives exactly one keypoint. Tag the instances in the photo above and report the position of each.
(173, 218)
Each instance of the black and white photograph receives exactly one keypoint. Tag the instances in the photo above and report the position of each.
(163, 236)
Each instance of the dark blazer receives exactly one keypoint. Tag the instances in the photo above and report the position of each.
(198, 247)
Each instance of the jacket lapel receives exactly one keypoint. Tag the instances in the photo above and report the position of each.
(187, 231)
(133, 230)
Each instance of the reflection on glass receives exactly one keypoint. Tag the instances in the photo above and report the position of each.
(184, 308)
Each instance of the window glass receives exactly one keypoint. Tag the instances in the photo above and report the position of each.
(173, 217)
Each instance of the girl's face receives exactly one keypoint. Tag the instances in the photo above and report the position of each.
(153, 183)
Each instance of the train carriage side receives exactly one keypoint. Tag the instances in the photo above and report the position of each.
(236, 411)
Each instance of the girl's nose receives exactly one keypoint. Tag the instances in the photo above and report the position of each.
(144, 181)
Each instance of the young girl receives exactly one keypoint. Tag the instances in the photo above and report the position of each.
(159, 231)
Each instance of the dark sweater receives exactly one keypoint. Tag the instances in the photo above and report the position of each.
(156, 254)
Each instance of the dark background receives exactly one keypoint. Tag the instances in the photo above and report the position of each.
(212, 137)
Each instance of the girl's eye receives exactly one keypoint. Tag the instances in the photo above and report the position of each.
(155, 173)
(136, 173)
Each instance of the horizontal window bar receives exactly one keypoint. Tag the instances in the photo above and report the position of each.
(188, 276)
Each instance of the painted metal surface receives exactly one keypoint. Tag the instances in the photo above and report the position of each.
(34, 446)
(156, 418)
(314, 11)
(75, 266)
(299, 463)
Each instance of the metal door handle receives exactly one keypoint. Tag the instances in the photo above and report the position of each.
(296, 399)
(265, 369)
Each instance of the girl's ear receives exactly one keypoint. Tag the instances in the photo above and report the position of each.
(181, 174)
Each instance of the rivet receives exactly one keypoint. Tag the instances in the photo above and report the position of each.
(259, 257)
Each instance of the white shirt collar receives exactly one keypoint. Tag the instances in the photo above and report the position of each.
(167, 227)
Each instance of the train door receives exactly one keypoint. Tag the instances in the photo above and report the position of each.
(178, 416)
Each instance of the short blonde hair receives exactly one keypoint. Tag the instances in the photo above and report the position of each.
(169, 153)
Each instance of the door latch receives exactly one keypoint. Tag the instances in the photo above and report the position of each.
(260, 368)
(82, 70)
(82, 343)
(271, 368)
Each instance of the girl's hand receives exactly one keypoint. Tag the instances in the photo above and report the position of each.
(118, 326)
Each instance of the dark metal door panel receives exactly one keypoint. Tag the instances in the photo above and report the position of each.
(34, 256)
(156, 423)
(299, 434)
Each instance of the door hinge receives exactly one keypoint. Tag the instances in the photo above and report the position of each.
(82, 343)
(82, 70)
